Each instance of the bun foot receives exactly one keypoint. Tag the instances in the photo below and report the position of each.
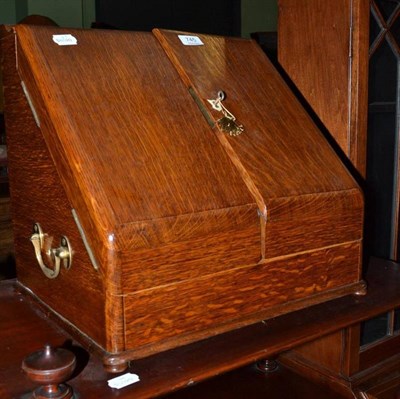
(267, 365)
(114, 364)
(50, 367)
(362, 290)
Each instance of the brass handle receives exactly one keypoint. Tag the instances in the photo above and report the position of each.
(61, 254)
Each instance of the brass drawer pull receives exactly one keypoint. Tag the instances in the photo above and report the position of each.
(61, 254)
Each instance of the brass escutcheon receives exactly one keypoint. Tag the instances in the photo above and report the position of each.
(227, 123)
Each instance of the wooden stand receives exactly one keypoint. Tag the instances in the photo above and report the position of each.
(24, 326)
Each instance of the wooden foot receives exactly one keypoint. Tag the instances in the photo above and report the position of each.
(267, 365)
(362, 290)
(50, 367)
(115, 368)
(115, 364)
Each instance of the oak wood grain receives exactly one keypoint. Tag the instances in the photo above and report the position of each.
(101, 172)
(173, 209)
(37, 196)
(324, 50)
(287, 159)
(323, 47)
(237, 297)
(6, 237)
(168, 264)
(148, 122)
(281, 148)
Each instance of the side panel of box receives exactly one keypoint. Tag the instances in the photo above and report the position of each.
(37, 197)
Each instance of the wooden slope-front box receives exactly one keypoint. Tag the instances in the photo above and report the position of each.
(176, 184)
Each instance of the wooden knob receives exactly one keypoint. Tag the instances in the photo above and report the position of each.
(50, 367)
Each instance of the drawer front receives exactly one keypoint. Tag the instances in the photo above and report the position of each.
(180, 313)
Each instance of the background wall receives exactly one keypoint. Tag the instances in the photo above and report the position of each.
(68, 13)
(220, 17)
(256, 15)
(259, 16)
(8, 11)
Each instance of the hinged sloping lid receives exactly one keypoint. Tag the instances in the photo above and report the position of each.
(281, 149)
(307, 196)
(126, 136)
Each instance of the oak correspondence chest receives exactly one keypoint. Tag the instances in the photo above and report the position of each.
(176, 187)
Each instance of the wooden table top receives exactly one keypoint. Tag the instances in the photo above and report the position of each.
(25, 328)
